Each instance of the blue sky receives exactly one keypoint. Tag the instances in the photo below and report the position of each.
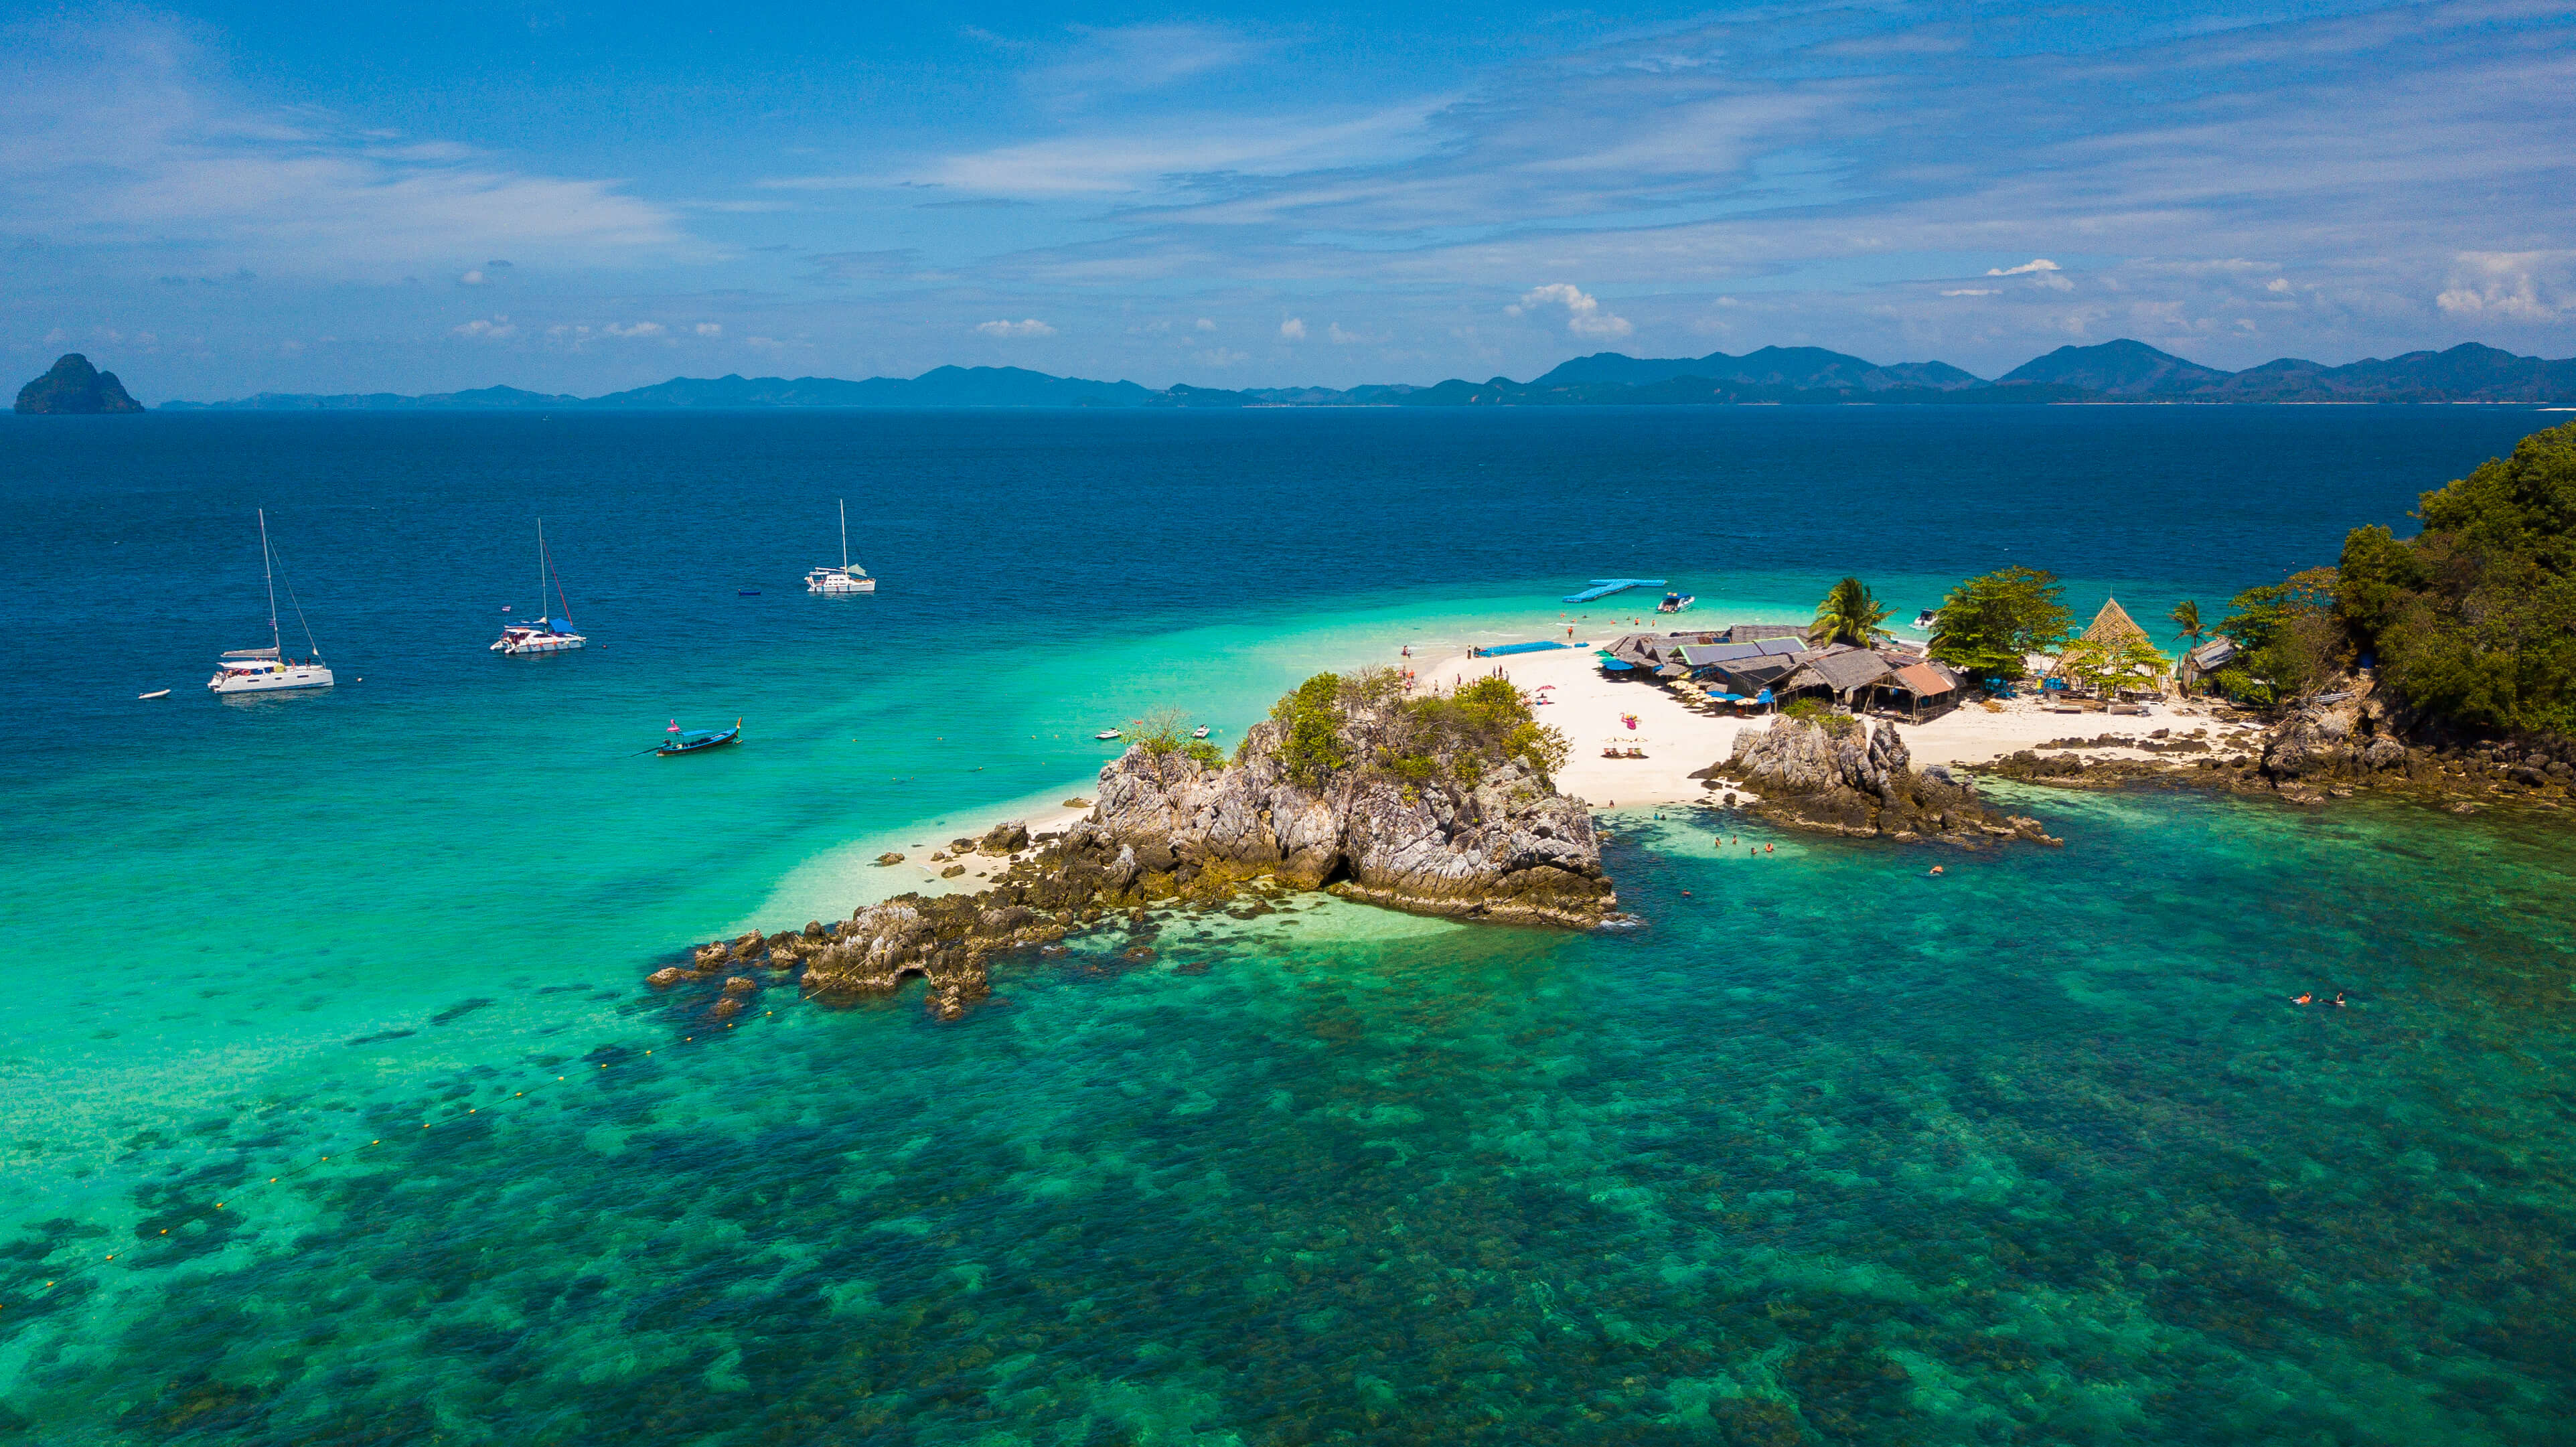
(222, 198)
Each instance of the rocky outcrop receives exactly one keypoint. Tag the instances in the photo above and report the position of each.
(1169, 829)
(1843, 777)
(1507, 848)
(74, 386)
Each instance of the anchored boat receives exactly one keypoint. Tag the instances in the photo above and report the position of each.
(845, 578)
(551, 634)
(697, 740)
(269, 670)
(1676, 602)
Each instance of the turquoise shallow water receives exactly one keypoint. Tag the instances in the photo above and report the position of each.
(1833, 1151)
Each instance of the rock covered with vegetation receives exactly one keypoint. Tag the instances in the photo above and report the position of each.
(74, 386)
(1437, 805)
(1832, 772)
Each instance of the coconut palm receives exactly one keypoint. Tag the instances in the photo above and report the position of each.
(2186, 620)
(1848, 614)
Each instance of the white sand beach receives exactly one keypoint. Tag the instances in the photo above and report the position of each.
(1677, 740)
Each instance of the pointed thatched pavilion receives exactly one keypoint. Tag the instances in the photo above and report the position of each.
(2113, 626)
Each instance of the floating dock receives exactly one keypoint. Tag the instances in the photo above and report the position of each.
(1541, 646)
(1604, 587)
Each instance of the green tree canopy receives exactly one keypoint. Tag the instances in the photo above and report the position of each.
(2475, 619)
(2186, 620)
(1989, 623)
(1848, 614)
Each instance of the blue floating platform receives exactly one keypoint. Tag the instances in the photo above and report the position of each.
(1541, 646)
(1604, 587)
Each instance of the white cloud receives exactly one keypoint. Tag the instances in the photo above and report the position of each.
(1206, 325)
(634, 329)
(710, 329)
(489, 331)
(1026, 327)
(124, 134)
(2037, 264)
(1584, 316)
(1341, 338)
(1293, 329)
(2278, 283)
(2526, 286)
(471, 278)
(1972, 291)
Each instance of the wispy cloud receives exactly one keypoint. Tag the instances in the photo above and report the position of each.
(126, 133)
(1026, 327)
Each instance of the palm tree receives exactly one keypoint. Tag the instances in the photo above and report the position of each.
(1848, 614)
(2186, 620)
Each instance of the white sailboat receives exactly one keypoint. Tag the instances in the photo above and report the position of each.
(551, 634)
(845, 578)
(269, 670)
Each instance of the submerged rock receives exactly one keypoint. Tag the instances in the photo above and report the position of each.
(889, 857)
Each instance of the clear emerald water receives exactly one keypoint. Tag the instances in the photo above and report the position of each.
(1832, 1151)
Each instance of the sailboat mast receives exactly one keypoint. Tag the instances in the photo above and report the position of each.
(269, 571)
(541, 567)
(845, 535)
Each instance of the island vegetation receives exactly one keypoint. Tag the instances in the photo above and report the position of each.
(2470, 625)
(73, 387)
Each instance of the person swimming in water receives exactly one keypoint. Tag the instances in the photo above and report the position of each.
(2302, 999)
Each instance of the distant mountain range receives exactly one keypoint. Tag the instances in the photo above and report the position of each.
(2120, 371)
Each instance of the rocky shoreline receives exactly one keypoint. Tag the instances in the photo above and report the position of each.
(1461, 835)
(2338, 747)
(1837, 775)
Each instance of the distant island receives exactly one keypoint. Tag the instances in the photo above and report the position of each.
(72, 386)
(2117, 371)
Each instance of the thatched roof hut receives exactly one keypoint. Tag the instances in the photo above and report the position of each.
(2114, 626)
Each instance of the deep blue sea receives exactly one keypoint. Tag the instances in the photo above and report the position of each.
(333, 1108)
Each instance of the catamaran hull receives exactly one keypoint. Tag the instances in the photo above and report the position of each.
(516, 647)
(842, 585)
(281, 681)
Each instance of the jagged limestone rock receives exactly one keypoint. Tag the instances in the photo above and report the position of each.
(74, 386)
(1847, 778)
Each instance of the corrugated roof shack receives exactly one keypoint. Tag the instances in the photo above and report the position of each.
(1927, 690)
(1743, 667)
(1652, 655)
(2204, 660)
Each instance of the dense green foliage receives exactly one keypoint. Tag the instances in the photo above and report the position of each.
(2290, 640)
(2186, 622)
(2131, 662)
(1989, 623)
(1313, 746)
(2475, 620)
(1333, 722)
(1167, 731)
(1849, 614)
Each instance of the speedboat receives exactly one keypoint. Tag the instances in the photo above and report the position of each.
(1107, 734)
(161, 693)
(553, 634)
(846, 578)
(269, 670)
(1200, 732)
(1676, 602)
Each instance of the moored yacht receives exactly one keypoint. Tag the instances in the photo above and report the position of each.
(546, 635)
(269, 670)
(845, 578)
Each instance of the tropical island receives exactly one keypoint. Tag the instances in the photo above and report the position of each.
(2441, 666)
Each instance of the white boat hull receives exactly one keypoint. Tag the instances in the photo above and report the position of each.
(276, 680)
(839, 583)
(540, 643)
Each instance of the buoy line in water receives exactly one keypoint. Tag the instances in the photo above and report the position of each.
(287, 1175)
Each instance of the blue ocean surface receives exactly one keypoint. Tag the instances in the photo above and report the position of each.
(333, 1108)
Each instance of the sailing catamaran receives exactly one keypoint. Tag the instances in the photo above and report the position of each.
(268, 670)
(845, 578)
(546, 635)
